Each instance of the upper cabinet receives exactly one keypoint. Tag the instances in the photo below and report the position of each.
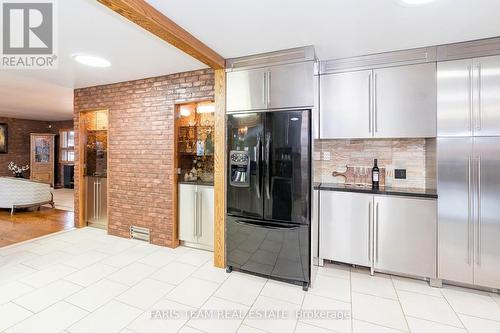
(345, 105)
(274, 87)
(468, 99)
(393, 102)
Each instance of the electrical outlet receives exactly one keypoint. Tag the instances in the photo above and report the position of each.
(326, 156)
(400, 173)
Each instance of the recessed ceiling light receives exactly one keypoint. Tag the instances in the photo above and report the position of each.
(92, 61)
(415, 2)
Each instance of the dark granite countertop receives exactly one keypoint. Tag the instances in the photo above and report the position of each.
(198, 182)
(407, 192)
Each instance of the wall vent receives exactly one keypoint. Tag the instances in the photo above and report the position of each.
(140, 233)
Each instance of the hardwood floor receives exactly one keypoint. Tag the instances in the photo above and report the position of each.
(24, 225)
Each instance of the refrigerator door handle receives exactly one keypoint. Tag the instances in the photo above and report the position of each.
(376, 234)
(270, 226)
(268, 165)
(370, 103)
(471, 99)
(375, 106)
(369, 231)
(257, 161)
(479, 111)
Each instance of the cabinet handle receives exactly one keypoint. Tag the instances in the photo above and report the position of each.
(376, 104)
(195, 229)
(469, 206)
(200, 222)
(264, 89)
(268, 88)
(370, 103)
(369, 231)
(479, 111)
(479, 211)
(471, 99)
(95, 200)
(376, 233)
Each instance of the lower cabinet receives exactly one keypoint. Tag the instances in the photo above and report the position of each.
(196, 215)
(386, 233)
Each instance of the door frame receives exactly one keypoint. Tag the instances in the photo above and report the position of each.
(80, 219)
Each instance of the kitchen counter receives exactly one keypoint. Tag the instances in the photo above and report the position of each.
(407, 192)
(198, 182)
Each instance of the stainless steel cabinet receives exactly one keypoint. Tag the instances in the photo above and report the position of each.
(290, 85)
(405, 232)
(196, 215)
(469, 210)
(468, 98)
(97, 202)
(345, 105)
(455, 209)
(391, 102)
(345, 227)
(386, 233)
(405, 101)
(272, 87)
(246, 90)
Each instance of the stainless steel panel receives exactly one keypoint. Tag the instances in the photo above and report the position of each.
(454, 98)
(206, 216)
(405, 235)
(316, 109)
(345, 102)
(315, 225)
(487, 96)
(379, 60)
(345, 224)
(299, 54)
(487, 212)
(96, 202)
(455, 209)
(246, 90)
(405, 101)
(291, 85)
(471, 49)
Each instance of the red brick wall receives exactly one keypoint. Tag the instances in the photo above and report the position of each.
(19, 140)
(141, 147)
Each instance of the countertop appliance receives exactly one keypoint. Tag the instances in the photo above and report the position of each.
(269, 194)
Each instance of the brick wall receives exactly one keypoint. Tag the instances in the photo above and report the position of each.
(19, 140)
(141, 148)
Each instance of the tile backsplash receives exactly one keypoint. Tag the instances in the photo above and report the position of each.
(417, 156)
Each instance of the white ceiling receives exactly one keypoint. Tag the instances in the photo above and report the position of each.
(337, 28)
(85, 26)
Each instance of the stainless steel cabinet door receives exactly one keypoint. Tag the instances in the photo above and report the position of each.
(206, 215)
(188, 213)
(345, 227)
(487, 188)
(405, 234)
(487, 96)
(405, 101)
(454, 98)
(246, 90)
(455, 209)
(290, 85)
(345, 102)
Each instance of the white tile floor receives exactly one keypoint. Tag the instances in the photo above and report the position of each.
(47, 286)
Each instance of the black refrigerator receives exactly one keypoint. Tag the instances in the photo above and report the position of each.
(269, 194)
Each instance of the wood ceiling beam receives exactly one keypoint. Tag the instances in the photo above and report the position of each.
(147, 17)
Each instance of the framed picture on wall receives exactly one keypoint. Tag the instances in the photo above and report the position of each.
(3, 139)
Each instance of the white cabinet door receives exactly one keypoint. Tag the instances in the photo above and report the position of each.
(187, 213)
(206, 215)
(291, 85)
(345, 105)
(405, 101)
(405, 235)
(345, 227)
(246, 90)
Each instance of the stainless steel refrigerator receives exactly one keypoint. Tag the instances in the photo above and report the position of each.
(269, 194)
(469, 171)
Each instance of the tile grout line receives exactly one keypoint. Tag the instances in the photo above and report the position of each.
(400, 305)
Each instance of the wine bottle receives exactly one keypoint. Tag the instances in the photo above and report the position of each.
(375, 175)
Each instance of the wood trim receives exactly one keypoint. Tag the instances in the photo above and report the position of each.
(147, 17)
(80, 222)
(219, 167)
